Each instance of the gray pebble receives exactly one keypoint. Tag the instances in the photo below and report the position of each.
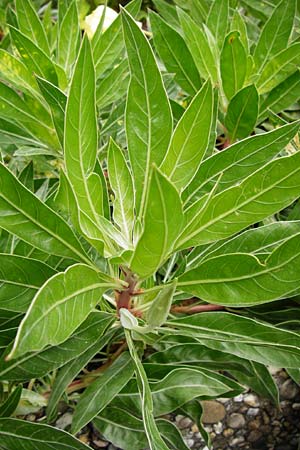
(236, 420)
(185, 423)
(236, 440)
(64, 421)
(254, 435)
(252, 411)
(251, 400)
(288, 390)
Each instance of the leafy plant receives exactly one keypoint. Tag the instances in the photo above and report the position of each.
(169, 263)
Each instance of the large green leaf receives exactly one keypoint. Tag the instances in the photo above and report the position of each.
(247, 338)
(233, 62)
(240, 279)
(190, 139)
(160, 229)
(146, 110)
(31, 25)
(9, 406)
(275, 34)
(120, 180)
(268, 190)
(38, 364)
(14, 71)
(113, 87)
(24, 215)
(175, 54)
(59, 307)
(242, 113)
(217, 20)
(102, 391)
(68, 38)
(20, 279)
(239, 160)
(16, 434)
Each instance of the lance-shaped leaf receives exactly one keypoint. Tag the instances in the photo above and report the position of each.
(175, 54)
(241, 279)
(268, 190)
(238, 23)
(113, 86)
(146, 110)
(38, 364)
(242, 113)
(239, 161)
(160, 307)
(31, 25)
(24, 215)
(217, 20)
(12, 69)
(275, 33)
(16, 434)
(199, 47)
(9, 406)
(278, 68)
(68, 38)
(190, 139)
(60, 306)
(102, 391)
(160, 229)
(33, 57)
(233, 63)
(121, 183)
(247, 338)
(20, 279)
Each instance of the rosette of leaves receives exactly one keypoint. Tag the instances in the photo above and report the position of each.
(163, 261)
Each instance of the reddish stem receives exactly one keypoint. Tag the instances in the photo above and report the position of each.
(196, 308)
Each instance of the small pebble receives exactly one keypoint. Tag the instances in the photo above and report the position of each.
(237, 440)
(101, 444)
(185, 423)
(296, 406)
(194, 428)
(228, 432)
(254, 435)
(218, 428)
(252, 412)
(251, 400)
(236, 420)
(238, 398)
(213, 411)
(288, 390)
(64, 421)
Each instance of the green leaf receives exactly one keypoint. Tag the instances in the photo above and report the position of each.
(160, 307)
(16, 73)
(241, 279)
(175, 54)
(38, 364)
(16, 434)
(146, 110)
(68, 38)
(278, 68)
(238, 24)
(113, 87)
(59, 307)
(26, 176)
(171, 434)
(24, 215)
(168, 12)
(154, 439)
(242, 113)
(190, 139)
(121, 183)
(199, 47)
(239, 161)
(160, 230)
(282, 96)
(33, 57)
(275, 33)
(233, 62)
(268, 190)
(217, 20)
(9, 406)
(247, 338)
(102, 391)
(20, 280)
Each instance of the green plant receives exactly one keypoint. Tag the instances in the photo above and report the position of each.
(164, 262)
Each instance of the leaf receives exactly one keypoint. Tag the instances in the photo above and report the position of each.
(56, 100)
(158, 312)
(268, 190)
(217, 20)
(121, 183)
(154, 439)
(30, 24)
(33, 57)
(242, 113)
(190, 139)
(20, 279)
(281, 97)
(168, 12)
(194, 410)
(176, 56)
(9, 406)
(247, 338)
(59, 307)
(278, 68)
(113, 87)
(68, 38)
(160, 230)
(16, 73)
(239, 160)
(39, 363)
(26, 176)
(147, 109)
(199, 47)
(238, 24)
(171, 434)
(275, 33)
(233, 64)
(24, 215)
(102, 391)
(16, 434)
